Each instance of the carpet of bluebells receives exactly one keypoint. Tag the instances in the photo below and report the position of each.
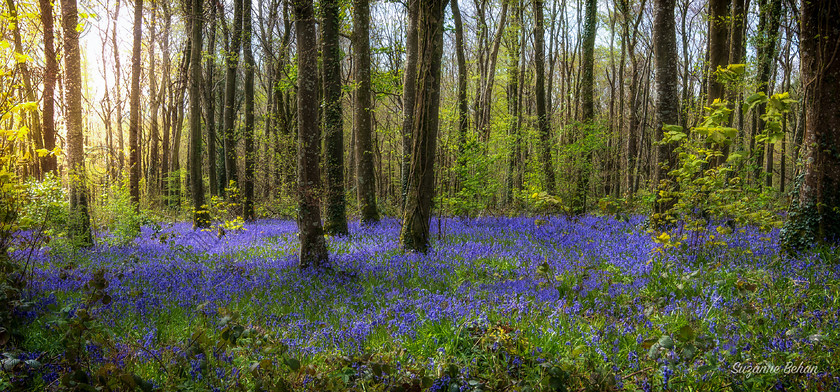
(553, 303)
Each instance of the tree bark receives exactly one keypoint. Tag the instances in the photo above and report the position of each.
(201, 218)
(50, 163)
(134, 116)
(230, 94)
(250, 161)
(79, 219)
(542, 115)
(210, 103)
(409, 92)
(483, 126)
(414, 235)
(154, 102)
(365, 180)
(587, 98)
(313, 249)
(667, 95)
(463, 106)
(815, 216)
(28, 89)
(336, 210)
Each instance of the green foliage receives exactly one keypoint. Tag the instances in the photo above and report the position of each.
(45, 204)
(699, 191)
(226, 213)
(119, 216)
(477, 185)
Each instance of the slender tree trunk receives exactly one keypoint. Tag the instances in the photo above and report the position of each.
(667, 94)
(768, 26)
(414, 235)
(134, 117)
(409, 92)
(815, 216)
(79, 219)
(365, 180)
(463, 106)
(483, 127)
(154, 158)
(28, 88)
(542, 116)
(210, 102)
(313, 249)
(117, 86)
(336, 210)
(250, 159)
(50, 163)
(514, 106)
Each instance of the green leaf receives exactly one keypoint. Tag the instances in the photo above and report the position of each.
(666, 342)
(292, 363)
(685, 333)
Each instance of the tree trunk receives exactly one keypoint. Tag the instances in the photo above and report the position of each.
(336, 210)
(365, 181)
(201, 218)
(587, 98)
(230, 94)
(134, 116)
(118, 84)
(250, 161)
(50, 163)
(667, 94)
(79, 219)
(313, 248)
(542, 116)
(483, 127)
(815, 216)
(154, 158)
(718, 44)
(210, 103)
(409, 92)
(514, 103)
(414, 235)
(463, 107)
(28, 89)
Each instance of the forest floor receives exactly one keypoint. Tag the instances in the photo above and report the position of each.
(595, 303)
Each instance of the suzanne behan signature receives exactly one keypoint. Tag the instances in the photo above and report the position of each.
(769, 368)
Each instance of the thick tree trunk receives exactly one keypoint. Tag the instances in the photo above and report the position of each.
(414, 235)
(336, 210)
(313, 248)
(134, 116)
(409, 92)
(667, 95)
(250, 161)
(815, 216)
(201, 217)
(587, 108)
(49, 162)
(230, 94)
(718, 44)
(365, 180)
(79, 219)
(542, 115)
